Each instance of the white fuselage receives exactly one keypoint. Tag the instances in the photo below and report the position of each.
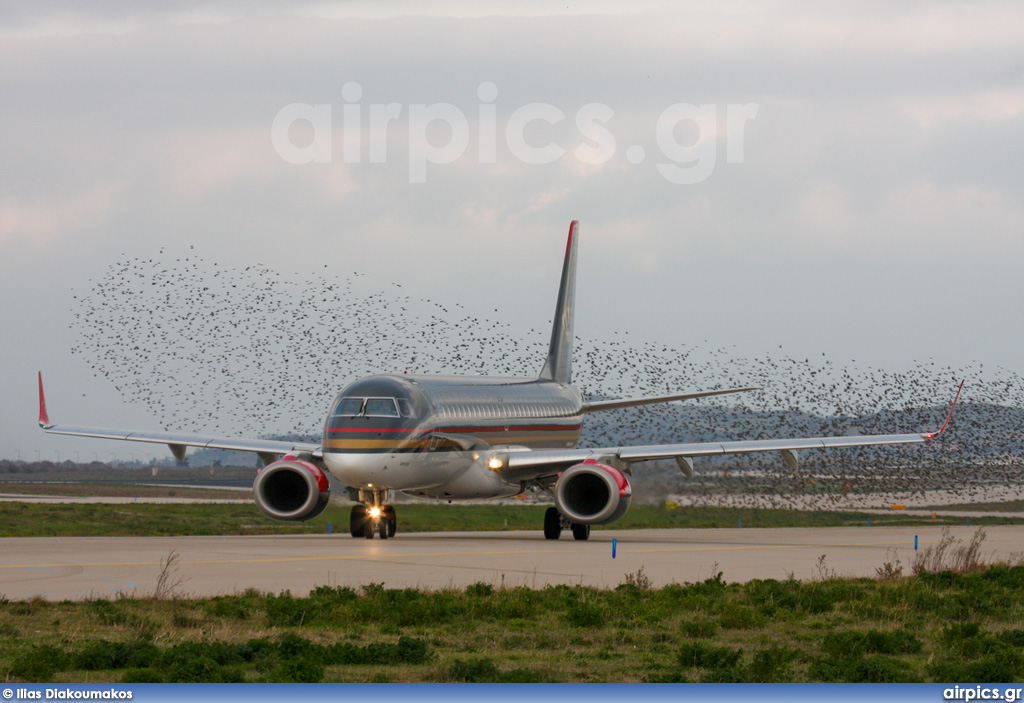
(443, 437)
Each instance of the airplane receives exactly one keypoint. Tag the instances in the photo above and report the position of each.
(470, 438)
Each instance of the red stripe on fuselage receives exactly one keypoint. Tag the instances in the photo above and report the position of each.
(379, 429)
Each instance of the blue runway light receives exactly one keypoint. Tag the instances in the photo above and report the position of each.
(614, 544)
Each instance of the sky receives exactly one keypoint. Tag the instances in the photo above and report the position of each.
(788, 177)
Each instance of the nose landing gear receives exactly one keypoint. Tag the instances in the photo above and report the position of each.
(368, 521)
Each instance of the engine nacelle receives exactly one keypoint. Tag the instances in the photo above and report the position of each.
(592, 494)
(291, 489)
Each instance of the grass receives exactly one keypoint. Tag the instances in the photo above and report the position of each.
(1002, 506)
(243, 518)
(936, 626)
(121, 490)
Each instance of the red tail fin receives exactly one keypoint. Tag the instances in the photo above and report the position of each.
(44, 419)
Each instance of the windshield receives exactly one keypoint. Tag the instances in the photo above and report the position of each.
(373, 407)
(380, 407)
(349, 407)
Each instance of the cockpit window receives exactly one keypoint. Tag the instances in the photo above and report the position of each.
(380, 407)
(405, 407)
(350, 407)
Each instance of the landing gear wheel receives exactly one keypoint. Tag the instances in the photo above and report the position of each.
(389, 516)
(356, 520)
(382, 527)
(580, 532)
(552, 524)
(368, 528)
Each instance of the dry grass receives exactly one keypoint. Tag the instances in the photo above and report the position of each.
(951, 554)
(169, 580)
(891, 569)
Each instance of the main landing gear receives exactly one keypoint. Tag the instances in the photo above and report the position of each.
(554, 523)
(368, 521)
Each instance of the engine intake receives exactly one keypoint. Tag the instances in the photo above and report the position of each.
(592, 494)
(291, 489)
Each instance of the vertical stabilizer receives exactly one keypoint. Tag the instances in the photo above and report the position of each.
(558, 366)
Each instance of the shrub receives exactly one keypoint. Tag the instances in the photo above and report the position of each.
(255, 650)
(143, 675)
(854, 643)
(102, 654)
(814, 600)
(479, 589)
(297, 670)
(705, 656)
(233, 607)
(584, 615)
(859, 669)
(1014, 638)
(108, 613)
(671, 676)
(734, 616)
(473, 671)
(772, 664)
(410, 650)
(202, 670)
(37, 663)
(285, 611)
(699, 629)
(519, 675)
(338, 594)
(220, 653)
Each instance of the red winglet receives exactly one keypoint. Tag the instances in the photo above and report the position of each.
(44, 419)
(572, 230)
(933, 435)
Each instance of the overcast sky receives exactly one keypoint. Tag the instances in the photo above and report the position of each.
(870, 207)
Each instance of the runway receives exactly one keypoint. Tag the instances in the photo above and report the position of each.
(103, 567)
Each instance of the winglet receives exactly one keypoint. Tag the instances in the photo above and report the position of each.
(558, 366)
(44, 419)
(933, 435)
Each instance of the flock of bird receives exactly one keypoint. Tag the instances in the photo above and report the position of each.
(250, 351)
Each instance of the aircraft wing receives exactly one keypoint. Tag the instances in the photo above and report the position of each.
(597, 405)
(529, 465)
(268, 449)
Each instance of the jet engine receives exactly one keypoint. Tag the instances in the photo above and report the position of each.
(291, 489)
(592, 494)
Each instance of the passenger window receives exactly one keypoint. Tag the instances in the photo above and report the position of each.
(349, 407)
(381, 407)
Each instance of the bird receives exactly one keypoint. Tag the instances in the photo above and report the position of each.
(211, 347)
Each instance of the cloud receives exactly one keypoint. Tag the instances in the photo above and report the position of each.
(884, 159)
(40, 224)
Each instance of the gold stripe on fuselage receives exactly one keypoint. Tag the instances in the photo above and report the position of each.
(497, 437)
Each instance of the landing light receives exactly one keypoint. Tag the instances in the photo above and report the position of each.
(495, 463)
(374, 512)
